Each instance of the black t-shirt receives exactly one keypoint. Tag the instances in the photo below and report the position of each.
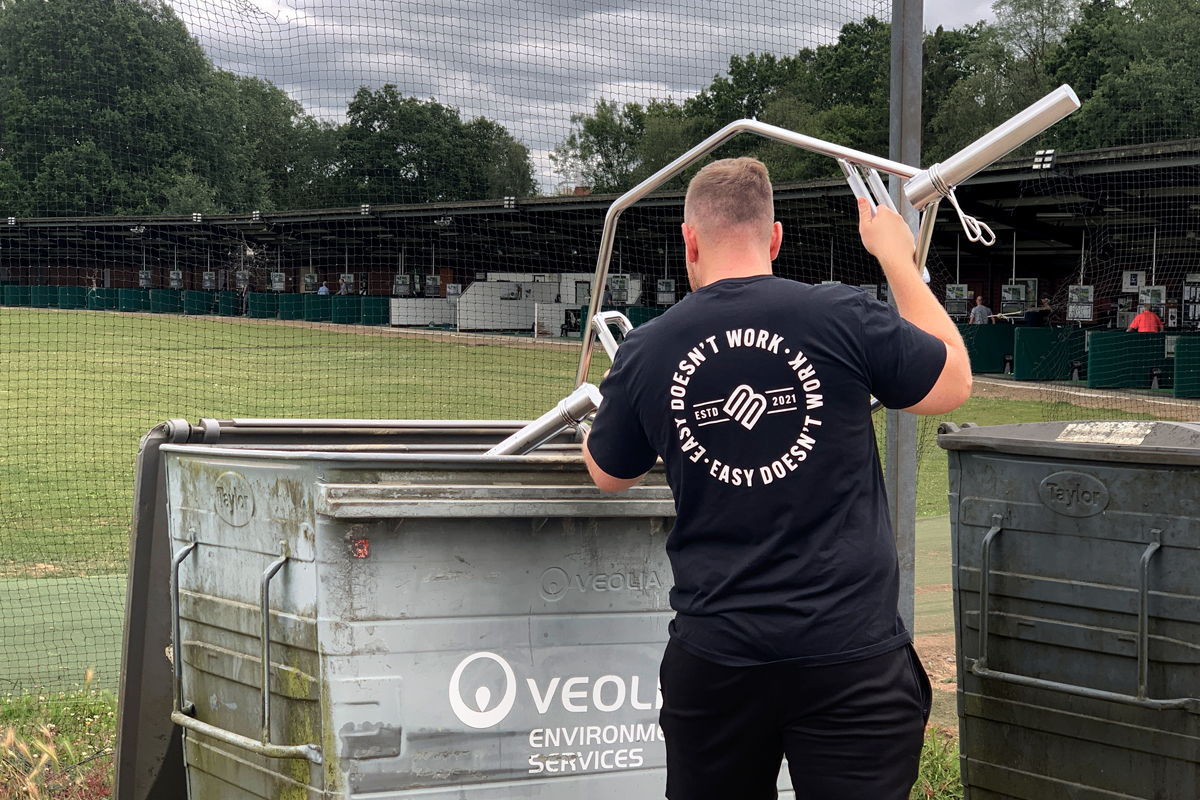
(755, 393)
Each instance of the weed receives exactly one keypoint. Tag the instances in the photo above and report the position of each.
(57, 744)
(939, 777)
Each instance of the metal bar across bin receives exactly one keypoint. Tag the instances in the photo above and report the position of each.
(979, 666)
(181, 715)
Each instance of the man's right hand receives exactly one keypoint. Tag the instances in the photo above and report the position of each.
(886, 236)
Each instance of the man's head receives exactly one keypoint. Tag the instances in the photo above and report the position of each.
(978, 299)
(729, 221)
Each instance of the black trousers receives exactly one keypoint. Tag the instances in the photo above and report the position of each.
(850, 731)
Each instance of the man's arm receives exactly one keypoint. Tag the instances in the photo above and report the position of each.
(605, 482)
(888, 238)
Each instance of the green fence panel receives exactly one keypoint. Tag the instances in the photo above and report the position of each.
(1187, 366)
(72, 297)
(133, 299)
(1045, 354)
(639, 315)
(16, 295)
(227, 303)
(1120, 360)
(291, 306)
(346, 309)
(199, 301)
(376, 311)
(166, 301)
(103, 299)
(43, 296)
(318, 307)
(263, 305)
(987, 345)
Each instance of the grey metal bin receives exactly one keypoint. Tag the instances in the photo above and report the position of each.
(441, 623)
(1080, 542)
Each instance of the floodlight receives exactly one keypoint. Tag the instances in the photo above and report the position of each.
(1045, 159)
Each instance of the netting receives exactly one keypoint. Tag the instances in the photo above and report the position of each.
(1094, 221)
(342, 209)
(366, 209)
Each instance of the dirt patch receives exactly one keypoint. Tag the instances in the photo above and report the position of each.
(937, 588)
(937, 654)
(1117, 400)
(14, 570)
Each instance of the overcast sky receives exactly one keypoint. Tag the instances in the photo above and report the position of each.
(529, 64)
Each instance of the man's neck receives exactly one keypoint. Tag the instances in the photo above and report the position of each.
(740, 265)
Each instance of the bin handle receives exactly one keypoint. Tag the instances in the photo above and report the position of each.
(978, 666)
(182, 713)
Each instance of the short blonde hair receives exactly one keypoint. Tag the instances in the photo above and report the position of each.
(729, 194)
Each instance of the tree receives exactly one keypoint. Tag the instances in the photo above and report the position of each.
(110, 107)
(397, 149)
(602, 149)
(504, 168)
(1137, 71)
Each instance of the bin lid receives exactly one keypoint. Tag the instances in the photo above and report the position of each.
(1134, 441)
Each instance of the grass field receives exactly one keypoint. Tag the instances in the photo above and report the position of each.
(78, 389)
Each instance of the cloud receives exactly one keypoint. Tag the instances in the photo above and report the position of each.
(528, 64)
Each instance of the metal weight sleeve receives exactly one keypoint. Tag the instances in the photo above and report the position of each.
(935, 182)
(569, 412)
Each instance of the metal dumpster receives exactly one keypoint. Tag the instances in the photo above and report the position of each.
(1075, 552)
(442, 623)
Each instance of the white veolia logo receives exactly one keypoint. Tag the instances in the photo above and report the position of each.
(483, 718)
(746, 406)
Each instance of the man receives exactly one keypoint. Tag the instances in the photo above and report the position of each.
(755, 391)
(1146, 321)
(324, 290)
(980, 314)
(1039, 317)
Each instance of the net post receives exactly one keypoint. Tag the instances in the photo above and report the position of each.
(900, 458)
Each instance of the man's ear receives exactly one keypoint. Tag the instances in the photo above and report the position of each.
(692, 242)
(776, 239)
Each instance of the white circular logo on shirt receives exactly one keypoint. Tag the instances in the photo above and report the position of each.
(746, 406)
(484, 715)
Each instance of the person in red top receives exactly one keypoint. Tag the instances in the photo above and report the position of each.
(1146, 321)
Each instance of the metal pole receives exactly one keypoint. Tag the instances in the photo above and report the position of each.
(1153, 256)
(905, 147)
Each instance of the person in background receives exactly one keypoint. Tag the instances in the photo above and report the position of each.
(324, 288)
(980, 314)
(1039, 317)
(342, 287)
(606, 298)
(246, 290)
(1146, 321)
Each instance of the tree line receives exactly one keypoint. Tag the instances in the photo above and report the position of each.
(112, 107)
(1134, 64)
